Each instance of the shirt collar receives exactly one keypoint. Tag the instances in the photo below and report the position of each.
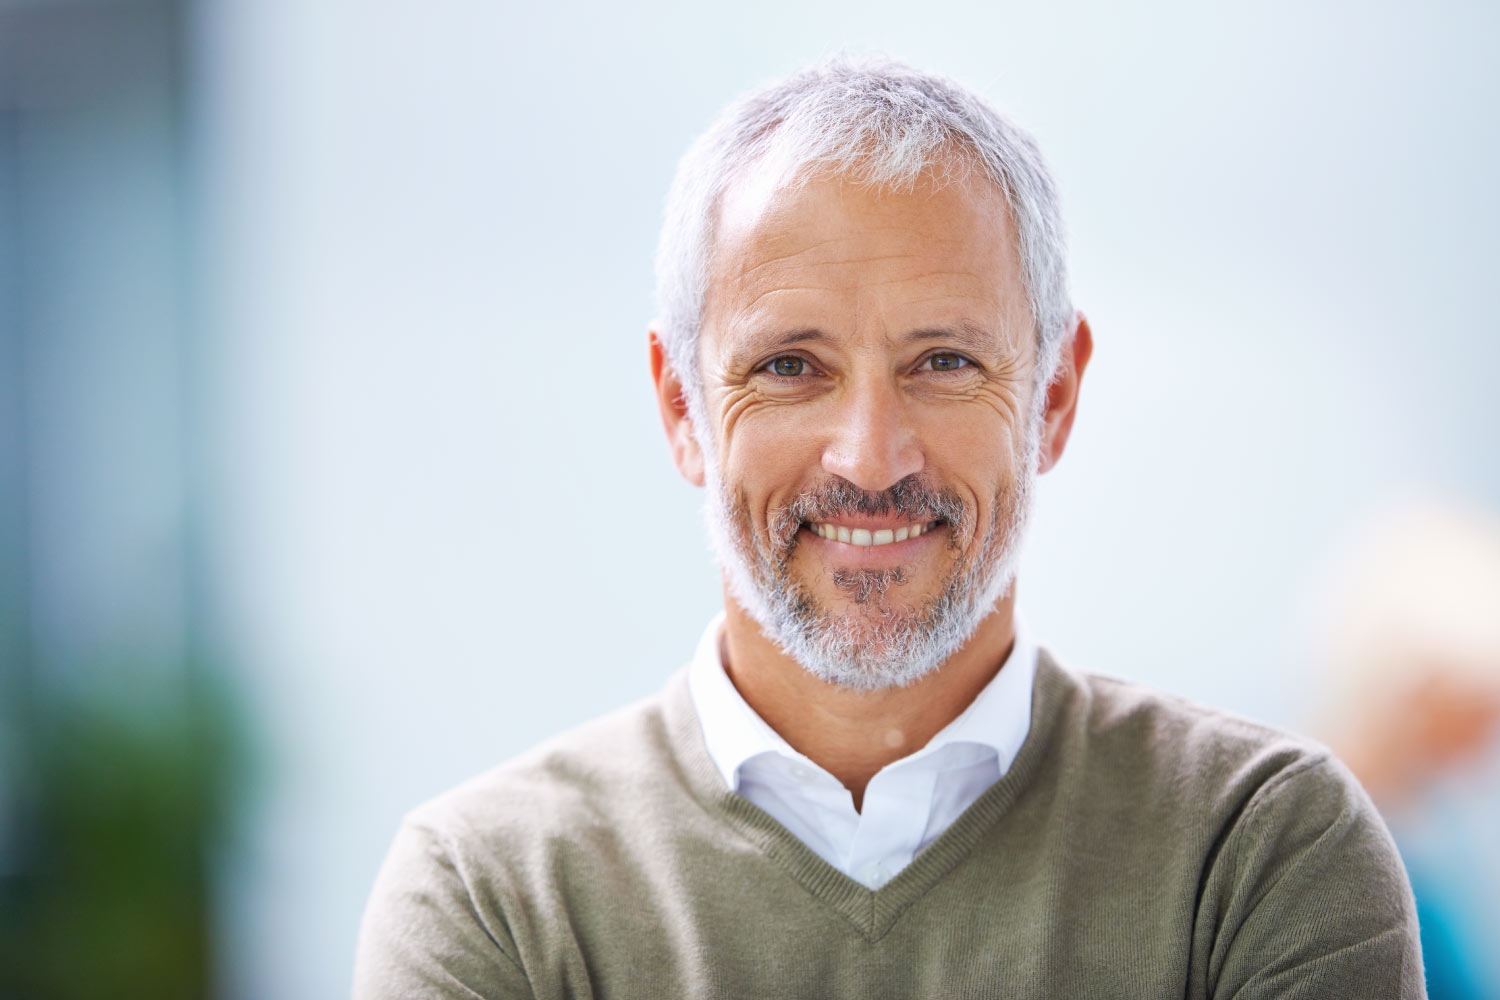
(997, 719)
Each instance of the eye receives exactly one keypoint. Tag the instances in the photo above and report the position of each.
(787, 366)
(945, 362)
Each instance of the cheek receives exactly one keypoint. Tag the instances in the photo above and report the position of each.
(771, 448)
(975, 447)
(977, 458)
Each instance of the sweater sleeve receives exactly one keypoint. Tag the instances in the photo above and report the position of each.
(423, 936)
(1315, 901)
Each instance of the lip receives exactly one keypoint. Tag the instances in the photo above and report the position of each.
(848, 555)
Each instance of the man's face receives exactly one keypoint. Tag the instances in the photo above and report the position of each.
(868, 372)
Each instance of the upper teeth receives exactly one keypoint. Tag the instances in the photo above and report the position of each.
(863, 536)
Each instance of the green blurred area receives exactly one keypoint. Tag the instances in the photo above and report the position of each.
(119, 753)
(117, 806)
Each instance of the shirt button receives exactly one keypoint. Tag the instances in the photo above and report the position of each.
(874, 875)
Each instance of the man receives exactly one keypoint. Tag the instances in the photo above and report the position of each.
(871, 781)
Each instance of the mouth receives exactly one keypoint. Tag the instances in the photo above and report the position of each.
(869, 535)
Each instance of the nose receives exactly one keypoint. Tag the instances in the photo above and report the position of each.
(873, 441)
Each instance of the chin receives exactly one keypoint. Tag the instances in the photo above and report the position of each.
(854, 658)
(874, 646)
(872, 675)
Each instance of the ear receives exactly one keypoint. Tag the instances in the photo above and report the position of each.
(1062, 393)
(671, 399)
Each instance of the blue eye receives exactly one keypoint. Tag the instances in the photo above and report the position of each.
(789, 366)
(947, 362)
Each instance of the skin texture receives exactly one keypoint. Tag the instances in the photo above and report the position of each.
(900, 327)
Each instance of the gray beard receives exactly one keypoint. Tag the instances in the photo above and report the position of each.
(873, 645)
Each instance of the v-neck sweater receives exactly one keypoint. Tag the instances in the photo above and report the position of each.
(1139, 846)
(907, 804)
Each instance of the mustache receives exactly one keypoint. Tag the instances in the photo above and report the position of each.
(911, 498)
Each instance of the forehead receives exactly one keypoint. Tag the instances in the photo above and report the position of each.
(830, 251)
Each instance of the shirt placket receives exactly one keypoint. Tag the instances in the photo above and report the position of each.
(891, 824)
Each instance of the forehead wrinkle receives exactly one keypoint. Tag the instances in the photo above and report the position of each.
(788, 263)
(763, 236)
(780, 258)
(875, 259)
(859, 281)
(749, 307)
(937, 298)
(924, 276)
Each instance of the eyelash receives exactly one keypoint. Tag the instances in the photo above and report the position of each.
(765, 369)
(966, 363)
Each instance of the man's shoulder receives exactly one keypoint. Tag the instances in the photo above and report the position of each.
(1127, 709)
(484, 865)
(1239, 799)
(1261, 834)
(1133, 733)
(569, 781)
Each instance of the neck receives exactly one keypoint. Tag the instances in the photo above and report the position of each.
(853, 734)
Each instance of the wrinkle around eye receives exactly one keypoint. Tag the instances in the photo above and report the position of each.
(737, 400)
(1011, 402)
(1005, 396)
(1003, 391)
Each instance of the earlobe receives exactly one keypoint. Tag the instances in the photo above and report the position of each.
(1062, 393)
(687, 454)
(676, 421)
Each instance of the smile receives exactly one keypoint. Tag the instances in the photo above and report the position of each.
(868, 537)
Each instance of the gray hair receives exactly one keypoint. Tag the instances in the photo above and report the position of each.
(877, 122)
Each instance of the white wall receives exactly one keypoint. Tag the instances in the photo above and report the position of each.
(448, 521)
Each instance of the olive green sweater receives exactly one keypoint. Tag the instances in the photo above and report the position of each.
(1139, 846)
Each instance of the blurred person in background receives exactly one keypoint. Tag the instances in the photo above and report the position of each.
(1407, 622)
(871, 780)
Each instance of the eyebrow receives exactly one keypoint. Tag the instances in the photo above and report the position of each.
(965, 334)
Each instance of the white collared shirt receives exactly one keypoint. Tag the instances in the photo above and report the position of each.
(908, 803)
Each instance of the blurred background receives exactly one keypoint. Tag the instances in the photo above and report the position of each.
(330, 473)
